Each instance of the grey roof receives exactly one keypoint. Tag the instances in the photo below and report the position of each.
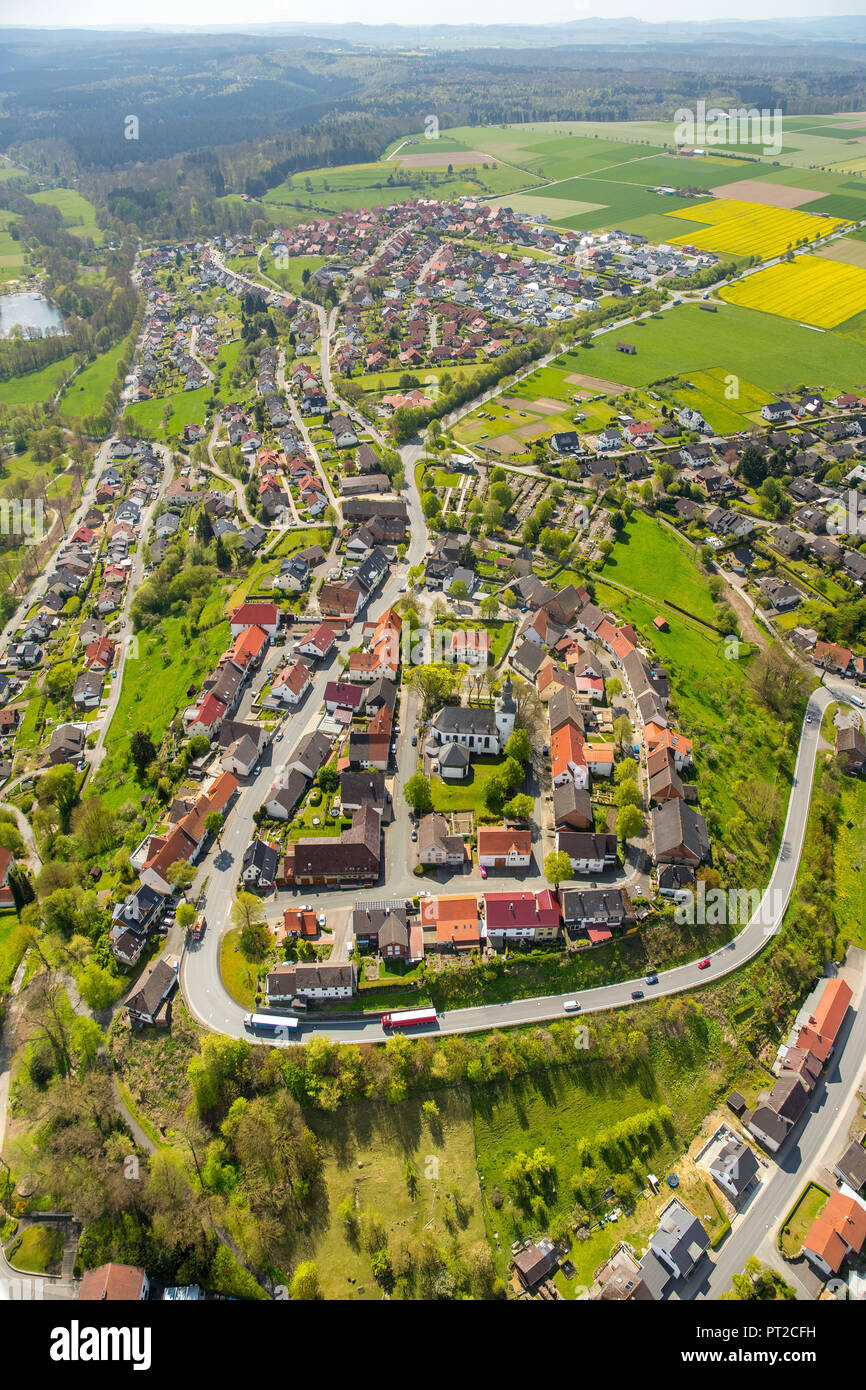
(571, 800)
(153, 986)
(654, 1274)
(312, 750)
(852, 1165)
(680, 1236)
(673, 824)
(453, 755)
(461, 719)
(736, 1163)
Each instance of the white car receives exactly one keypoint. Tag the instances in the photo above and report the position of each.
(306, 907)
(571, 1006)
(425, 893)
(321, 919)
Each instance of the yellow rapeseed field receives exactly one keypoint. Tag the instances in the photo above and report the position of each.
(809, 289)
(747, 229)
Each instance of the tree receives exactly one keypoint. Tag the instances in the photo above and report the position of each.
(329, 779)
(185, 915)
(557, 867)
(629, 822)
(520, 807)
(519, 746)
(459, 589)
(249, 915)
(180, 875)
(627, 793)
(143, 751)
(305, 1285)
(434, 683)
(418, 794)
(622, 730)
(213, 823)
(97, 987)
(625, 771)
(489, 608)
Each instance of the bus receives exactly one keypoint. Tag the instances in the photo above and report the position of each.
(271, 1025)
(410, 1018)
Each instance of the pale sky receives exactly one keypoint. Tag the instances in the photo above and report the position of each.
(209, 13)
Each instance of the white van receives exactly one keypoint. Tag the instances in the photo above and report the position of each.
(571, 1006)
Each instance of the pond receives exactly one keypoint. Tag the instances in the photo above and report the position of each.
(30, 311)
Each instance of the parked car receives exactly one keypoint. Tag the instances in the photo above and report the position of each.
(414, 834)
(704, 964)
(414, 741)
(483, 871)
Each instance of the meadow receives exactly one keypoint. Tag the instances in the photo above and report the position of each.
(79, 216)
(651, 559)
(34, 387)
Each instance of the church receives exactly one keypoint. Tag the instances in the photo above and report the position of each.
(473, 730)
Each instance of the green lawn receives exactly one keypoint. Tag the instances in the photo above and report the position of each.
(86, 393)
(38, 1249)
(736, 737)
(650, 558)
(809, 1205)
(13, 943)
(291, 275)
(849, 855)
(79, 216)
(239, 975)
(468, 795)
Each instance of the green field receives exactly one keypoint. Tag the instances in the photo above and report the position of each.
(651, 559)
(36, 386)
(86, 394)
(850, 853)
(291, 276)
(11, 251)
(13, 943)
(239, 975)
(735, 737)
(468, 795)
(79, 216)
(354, 186)
(366, 1148)
(773, 353)
(154, 689)
(810, 1204)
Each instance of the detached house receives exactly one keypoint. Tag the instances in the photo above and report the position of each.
(503, 848)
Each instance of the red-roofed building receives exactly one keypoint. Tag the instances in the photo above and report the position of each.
(657, 737)
(113, 1283)
(249, 647)
(523, 917)
(568, 763)
(100, 655)
(838, 1232)
(263, 615)
(500, 847)
(819, 1034)
(208, 718)
(318, 642)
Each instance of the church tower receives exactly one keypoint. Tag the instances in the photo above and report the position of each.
(506, 712)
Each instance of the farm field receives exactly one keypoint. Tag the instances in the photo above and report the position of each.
(354, 186)
(731, 227)
(11, 252)
(713, 396)
(773, 353)
(811, 289)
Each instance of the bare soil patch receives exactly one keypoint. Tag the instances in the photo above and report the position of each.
(430, 159)
(772, 195)
(845, 250)
(596, 383)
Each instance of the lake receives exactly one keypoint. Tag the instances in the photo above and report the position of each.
(29, 311)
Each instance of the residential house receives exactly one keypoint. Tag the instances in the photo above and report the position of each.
(589, 853)
(454, 919)
(521, 917)
(735, 1168)
(152, 992)
(679, 834)
(353, 856)
(501, 847)
(308, 980)
(436, 844)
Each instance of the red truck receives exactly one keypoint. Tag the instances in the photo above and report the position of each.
(410, 1018)
(199, 926)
